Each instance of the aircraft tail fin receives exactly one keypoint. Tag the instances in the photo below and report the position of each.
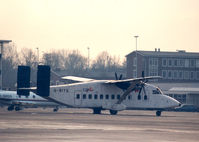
(43, 80)
(23, 80)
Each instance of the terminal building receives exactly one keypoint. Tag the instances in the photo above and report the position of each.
(179, 71)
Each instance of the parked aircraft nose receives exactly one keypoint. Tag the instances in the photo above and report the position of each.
(176, 103)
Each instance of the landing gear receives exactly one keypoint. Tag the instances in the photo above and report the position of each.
(11, 108)
(96, 111)
(17, 108)
(158, 113)
(113, 112)
(55, 109)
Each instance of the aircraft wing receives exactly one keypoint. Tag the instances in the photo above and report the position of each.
(77, 79)
(129, 85)
(125, 84)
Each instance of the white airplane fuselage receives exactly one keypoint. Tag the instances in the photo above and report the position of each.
(12, 100)
(95, 94)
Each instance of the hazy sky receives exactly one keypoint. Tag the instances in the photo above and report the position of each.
(103, 25)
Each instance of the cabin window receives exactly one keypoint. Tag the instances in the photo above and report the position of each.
(26, 96)
(118, 96)
(107, 96)
(101, 96)
(90, 96)
(55, 90)
(78, 96)
(95, 96)
(129, 97)
(33, 96)
(112, 96)
(84, 96)
(157, 91)
(145, 97)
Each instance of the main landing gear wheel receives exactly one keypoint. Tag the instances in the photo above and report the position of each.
(11, 108)
(55, 109)
(158, 113)
(17, 108)
(113, 112)
(96, 111)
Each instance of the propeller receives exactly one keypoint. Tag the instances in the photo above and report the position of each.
(142, 87)
(145, 81)
(116, 77)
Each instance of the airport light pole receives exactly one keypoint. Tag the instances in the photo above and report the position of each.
(37, 55)
(88, 56)
(136, 55)
(1, 70)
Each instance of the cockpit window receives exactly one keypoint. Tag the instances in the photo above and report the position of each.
(157, 91)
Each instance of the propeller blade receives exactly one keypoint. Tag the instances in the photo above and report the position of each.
(145, 96)
(144, 90)
(116, 76)
(140, 91)
(120, 77)
(143, 74)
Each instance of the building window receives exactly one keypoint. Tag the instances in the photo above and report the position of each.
(186, 63)
(153, 67)
(186, 75)
(175, 74)
(192, 63)
(180, 74)
(170, 62)
(175, 62)
(134, 61)
(197, 63)
(164, 62)
(192, 75)
(181, 63)
(134, 73)
(197, 75)
(170, 75)
(164, 74)
(153, 61)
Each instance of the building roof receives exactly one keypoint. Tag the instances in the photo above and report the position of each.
(5, 41)
(179, 53)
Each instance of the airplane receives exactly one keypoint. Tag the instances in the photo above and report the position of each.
(17, 102)
(113, 95)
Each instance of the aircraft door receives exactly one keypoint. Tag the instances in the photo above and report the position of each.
(78, 98)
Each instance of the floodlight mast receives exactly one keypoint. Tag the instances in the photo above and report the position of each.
(2, 42)
(136, 55)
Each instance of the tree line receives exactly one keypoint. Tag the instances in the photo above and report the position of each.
(70, 61)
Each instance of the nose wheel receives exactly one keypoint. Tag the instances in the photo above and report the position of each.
(158, 113)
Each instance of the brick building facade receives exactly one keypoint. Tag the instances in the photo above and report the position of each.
(179, 66)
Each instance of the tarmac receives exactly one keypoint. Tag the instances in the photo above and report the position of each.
(80, 125)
